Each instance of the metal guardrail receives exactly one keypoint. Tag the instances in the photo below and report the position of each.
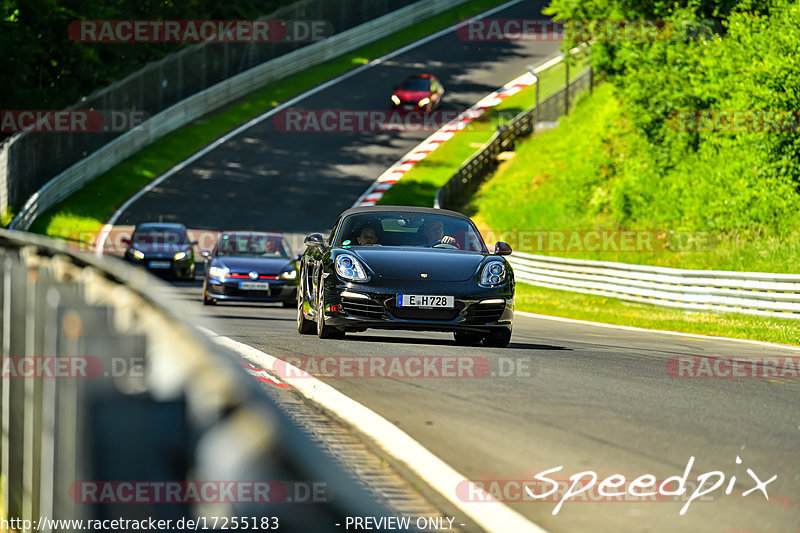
(143, 397)
(103, 155)
(755, 293)
(477, 168)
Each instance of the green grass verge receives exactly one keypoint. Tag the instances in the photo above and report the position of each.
(418, 185)
(529, 193)
(89, 208)
(614, 311)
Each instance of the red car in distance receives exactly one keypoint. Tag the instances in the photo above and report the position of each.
(418, 92)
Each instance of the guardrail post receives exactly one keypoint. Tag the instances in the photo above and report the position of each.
(591, 80)
(11, 441)
(566, 87)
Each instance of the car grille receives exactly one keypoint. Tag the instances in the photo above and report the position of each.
(363, 308)
(484, 313)
(416, 313)
(234, 290)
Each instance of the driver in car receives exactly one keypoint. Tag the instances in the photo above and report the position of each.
(433, 230)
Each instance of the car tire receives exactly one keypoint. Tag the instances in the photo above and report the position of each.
(498, 340)
(207, 300)
(324, 331)
(304, 325)
(465, 338)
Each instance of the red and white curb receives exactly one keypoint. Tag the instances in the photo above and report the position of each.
(264, 376)
(393, 174)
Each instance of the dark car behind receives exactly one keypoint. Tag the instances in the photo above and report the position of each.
(162, 248)
(250, 266)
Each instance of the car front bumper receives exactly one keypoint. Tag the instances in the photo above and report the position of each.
(228, 290)
(361, 305)
(164, 265)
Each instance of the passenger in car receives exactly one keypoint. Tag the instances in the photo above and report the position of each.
(367, 235)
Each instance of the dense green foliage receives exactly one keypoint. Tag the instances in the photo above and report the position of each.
(737, 55)
(51, 71)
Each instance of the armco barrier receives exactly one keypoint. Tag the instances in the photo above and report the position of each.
(143, 397)
(215, 97)
(756, 293)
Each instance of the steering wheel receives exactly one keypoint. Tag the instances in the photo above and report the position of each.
(443, 245)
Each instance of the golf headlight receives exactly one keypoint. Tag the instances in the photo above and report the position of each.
(137, 254)
(349, 267)
(288, 274)
(493, 274)
(424, 102)
(179, 256)
(217, 272)
(395, 99)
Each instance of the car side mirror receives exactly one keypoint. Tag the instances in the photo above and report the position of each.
(299, 258)
(206, 254)
(315, 240)
(502, 248)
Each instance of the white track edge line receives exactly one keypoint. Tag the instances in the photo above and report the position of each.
(100, 242)
(661, 331)
(491, 515)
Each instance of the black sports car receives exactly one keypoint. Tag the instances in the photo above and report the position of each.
(250, 266)
(410, 268)
(163, 248)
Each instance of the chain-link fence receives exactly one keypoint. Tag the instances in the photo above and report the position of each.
(29, 160)
(473, 172)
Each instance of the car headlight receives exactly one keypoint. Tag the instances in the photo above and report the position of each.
(217, 272)
(493, 274)
(349, 267)
(137, 254)
(395, 99)
(288, 274)
(424, 102)
(179, 256)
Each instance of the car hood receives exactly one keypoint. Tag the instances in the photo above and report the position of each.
(410, 263)
(412, 96)
(262, 265)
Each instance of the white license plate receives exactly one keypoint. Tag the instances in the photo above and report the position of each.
(253, 286)
(160, 264)
(420, 300)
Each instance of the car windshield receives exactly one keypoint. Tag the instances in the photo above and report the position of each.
(252, 245)
(419, 230)
(159, 237)
(416, 84)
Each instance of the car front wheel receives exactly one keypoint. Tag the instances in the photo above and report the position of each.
(498, 340)
(324, 331)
